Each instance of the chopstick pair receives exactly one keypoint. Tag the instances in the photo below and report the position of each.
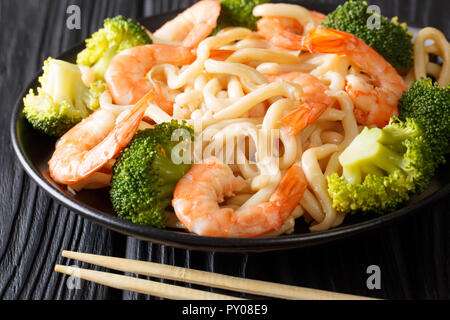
(168, 291)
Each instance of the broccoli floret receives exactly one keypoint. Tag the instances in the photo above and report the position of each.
(62, 100)
(237, 13)
(117, 34)
(391, 40)
(382, 168)
(145, 176)
(429, 104)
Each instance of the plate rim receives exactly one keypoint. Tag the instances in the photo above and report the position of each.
(186, 240)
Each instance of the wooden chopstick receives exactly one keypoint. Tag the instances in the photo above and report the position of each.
(154, 288)
(211, 279)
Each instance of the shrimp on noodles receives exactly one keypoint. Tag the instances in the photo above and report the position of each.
(283, 25)
(92, 143)
(198, 194)
(376, 102)
(314, 100)
(192, 25)
(126, 76)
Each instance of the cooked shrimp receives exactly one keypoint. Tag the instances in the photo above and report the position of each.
(375, 102)
(281, 32)
(318, 17)
(126, 76)
(198, 194)
(286, 32)
(314, 100)
(92, 143)
(192, 25)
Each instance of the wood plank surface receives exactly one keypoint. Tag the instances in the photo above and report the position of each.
(413, 254)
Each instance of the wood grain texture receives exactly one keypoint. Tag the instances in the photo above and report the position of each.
(413, 254)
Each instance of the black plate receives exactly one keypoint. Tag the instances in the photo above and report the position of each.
(34, 150)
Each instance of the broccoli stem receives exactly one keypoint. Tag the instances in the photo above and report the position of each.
(374, 151)
(389, 160)
(100, 67)
(166, 193)
(65, 80)
(168, 171)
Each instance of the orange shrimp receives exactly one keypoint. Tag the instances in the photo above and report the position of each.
(319, 17)
(198, 194)
(285, 32)
(192, 25)
(92, 143)
(126, 76)
(374, 103)
(281, 32)
(314, 100)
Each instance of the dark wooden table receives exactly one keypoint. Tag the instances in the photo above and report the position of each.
(413, 254)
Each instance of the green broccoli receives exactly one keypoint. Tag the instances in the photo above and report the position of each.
(391, 40)
(117, 34)
(145, 176)
(382, 168)
(429, 104)
(237, 13)
(62, 100)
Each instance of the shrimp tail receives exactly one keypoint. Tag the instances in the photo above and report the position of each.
(292, 186)
(301, 117)
(220, 54)
(123, 132)
(326, 40)
(161, 100)
(126, 129)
